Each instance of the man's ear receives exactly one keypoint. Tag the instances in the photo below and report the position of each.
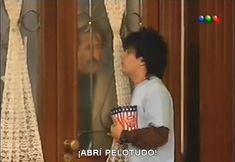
(142, 62)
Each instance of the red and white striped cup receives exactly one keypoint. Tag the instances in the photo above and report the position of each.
(127, 116)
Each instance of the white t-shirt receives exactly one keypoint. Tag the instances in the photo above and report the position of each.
(155, 108)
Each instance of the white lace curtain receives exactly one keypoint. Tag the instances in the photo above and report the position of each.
(115, 10)
(20, 140)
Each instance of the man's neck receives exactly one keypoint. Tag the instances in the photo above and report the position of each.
(138, 78)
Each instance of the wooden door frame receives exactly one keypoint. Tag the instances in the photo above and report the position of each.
(192, 86)
(58, 89)
(67, 73)
(48, 80)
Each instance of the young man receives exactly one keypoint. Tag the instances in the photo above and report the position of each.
(144, 63)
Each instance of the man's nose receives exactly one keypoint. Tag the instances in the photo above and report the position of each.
(123, 56)
(95, 53)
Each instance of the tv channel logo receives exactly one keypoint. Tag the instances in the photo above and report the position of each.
(208, 19)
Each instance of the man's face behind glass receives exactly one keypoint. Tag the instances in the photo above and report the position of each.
(90, 53)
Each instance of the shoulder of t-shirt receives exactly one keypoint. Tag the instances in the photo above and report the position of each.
(157, 87)
(156, 84)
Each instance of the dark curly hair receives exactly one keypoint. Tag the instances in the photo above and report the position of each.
(149, 45)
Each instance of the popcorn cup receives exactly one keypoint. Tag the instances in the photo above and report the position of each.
(127, 116)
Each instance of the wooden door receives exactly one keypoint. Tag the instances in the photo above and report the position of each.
(59, 115)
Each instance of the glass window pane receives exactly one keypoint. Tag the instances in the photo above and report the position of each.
(95, 68)
(96, 79)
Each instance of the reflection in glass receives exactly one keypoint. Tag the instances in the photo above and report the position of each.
(95, 69)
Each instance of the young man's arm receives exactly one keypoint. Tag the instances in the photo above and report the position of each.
(146, 138)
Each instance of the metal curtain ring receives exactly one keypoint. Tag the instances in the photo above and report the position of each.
(140, 18)
(37, 26)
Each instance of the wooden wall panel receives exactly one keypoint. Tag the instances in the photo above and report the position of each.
(151, 13)
(217, 83)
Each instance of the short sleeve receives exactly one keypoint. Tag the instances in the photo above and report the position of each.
(159, 108)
